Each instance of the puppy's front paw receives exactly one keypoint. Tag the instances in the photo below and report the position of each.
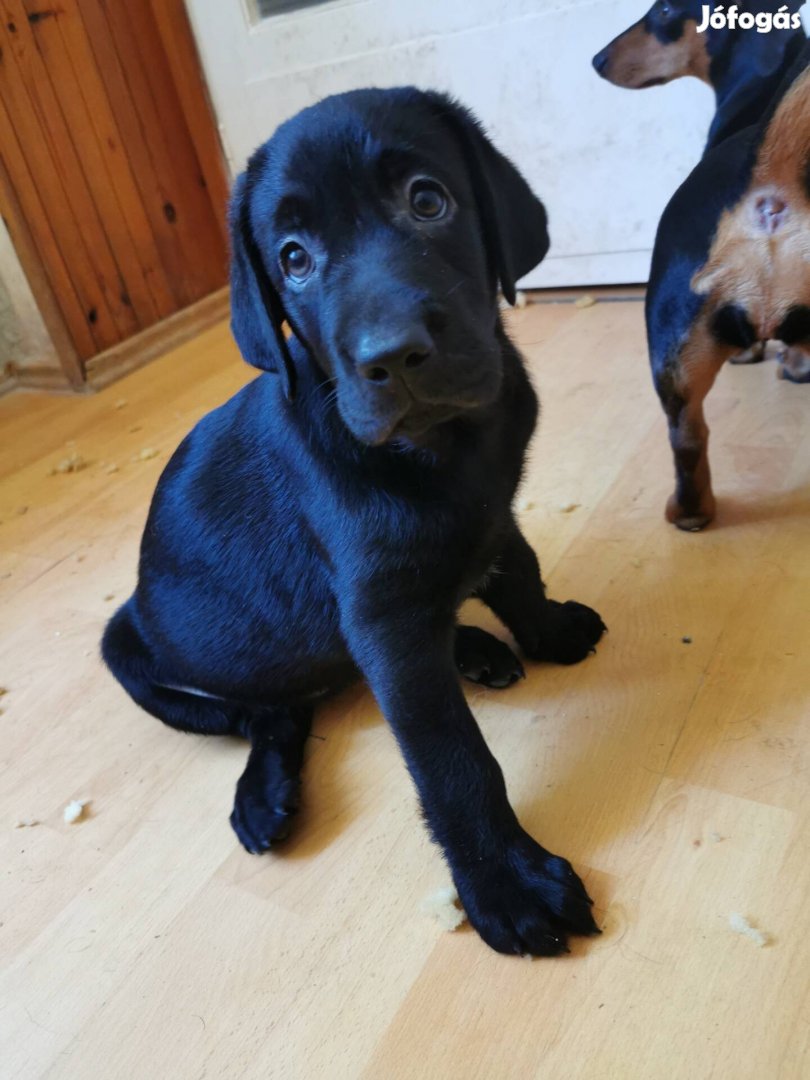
(569, 633)
(484, 659)
(266, 799)
(528, 901)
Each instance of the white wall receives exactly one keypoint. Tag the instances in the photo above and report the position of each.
(604, 160)
(23, 337)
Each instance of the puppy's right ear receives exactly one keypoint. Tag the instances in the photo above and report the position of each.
(514, 220)
(257, 314)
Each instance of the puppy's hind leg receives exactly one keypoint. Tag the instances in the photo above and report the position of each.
(267, 794)
(128, 658)
(268, 791)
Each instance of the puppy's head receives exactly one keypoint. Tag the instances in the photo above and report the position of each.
(378, 225)
(665, 44)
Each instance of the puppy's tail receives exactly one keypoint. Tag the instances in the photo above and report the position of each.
(126, 655)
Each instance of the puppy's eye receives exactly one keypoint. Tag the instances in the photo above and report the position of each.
(296, 262)
(428, 200)
(665, 8)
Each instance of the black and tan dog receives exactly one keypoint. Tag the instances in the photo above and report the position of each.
(327, 522)
(731, 264)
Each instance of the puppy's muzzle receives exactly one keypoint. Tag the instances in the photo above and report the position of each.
(403, 376)
(393, 355)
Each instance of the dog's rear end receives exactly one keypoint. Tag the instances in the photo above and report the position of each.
(731, 263)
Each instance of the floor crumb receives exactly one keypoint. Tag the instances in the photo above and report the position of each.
(740, 925)
(73, 463)
(442, 905)
(74, 811)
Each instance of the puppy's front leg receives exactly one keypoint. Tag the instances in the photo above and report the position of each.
(545, 629)
(518, 896)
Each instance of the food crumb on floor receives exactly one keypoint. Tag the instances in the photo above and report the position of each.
(740, 925)
(73, 463)
(442, 905)
(74, 811)
(585, 301)
(25, 823)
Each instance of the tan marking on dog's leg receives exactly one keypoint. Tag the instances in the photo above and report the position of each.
(692, 505)
(754, 355)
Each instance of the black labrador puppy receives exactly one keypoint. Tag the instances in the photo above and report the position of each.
(328, 521)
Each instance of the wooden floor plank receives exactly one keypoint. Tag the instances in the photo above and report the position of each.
(672, 768)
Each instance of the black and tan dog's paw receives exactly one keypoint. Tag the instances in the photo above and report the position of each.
(569, 633)
(794, 364)
(528, 902)
(263, 809)
(485, 659)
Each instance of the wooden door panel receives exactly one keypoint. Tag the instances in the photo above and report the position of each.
(65, 48)
(174, 28)
(47, 147)
(186, 206)
(116, 169)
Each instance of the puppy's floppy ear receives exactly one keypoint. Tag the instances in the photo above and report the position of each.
(257, 314)
(513, 218)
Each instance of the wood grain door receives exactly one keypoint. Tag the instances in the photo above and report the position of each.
(109, 164)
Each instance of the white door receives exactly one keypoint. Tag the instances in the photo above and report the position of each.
(604, 160)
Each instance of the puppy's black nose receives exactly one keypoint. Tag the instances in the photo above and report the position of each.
(381, 355)
(600, 61)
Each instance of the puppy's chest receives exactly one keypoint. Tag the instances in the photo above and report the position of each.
(452, 537)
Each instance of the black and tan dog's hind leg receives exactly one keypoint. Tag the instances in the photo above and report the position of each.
(794, 356)
(682, 386)
(794, 364)
(754, 355)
